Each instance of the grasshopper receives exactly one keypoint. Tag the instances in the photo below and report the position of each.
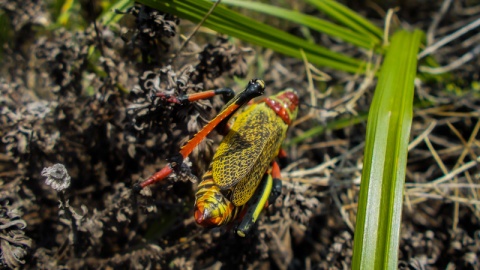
(243, 175)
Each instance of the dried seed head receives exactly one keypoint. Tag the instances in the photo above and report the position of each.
(14, 244)
(57, 177)
(217, 59)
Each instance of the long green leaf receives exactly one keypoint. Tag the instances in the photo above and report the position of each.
(232, 23)
(312, 22)
(388, 130)
(109, 15)
(227, 20)
(348, 18)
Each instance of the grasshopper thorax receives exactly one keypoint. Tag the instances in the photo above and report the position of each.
(285, 104)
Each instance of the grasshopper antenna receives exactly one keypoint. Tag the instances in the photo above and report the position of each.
(308, 105)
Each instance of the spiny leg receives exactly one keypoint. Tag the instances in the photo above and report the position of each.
(254, 89)
(277, 183)
(269, 189)
(255, 206)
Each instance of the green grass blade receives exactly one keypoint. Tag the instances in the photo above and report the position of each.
(388, 130)
(311, 22)
(226, 21)
(67, 8)
(109, 16)
(348, 18)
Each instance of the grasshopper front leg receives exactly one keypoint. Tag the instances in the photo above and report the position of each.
(186, 99)
(254, 89)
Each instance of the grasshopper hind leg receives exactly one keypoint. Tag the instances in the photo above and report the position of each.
(226, 92)
(276, 191)
(276, 185)
(267, 192)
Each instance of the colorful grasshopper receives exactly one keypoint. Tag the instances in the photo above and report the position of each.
(243, 173)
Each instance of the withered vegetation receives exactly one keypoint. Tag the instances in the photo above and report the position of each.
(80, 123)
